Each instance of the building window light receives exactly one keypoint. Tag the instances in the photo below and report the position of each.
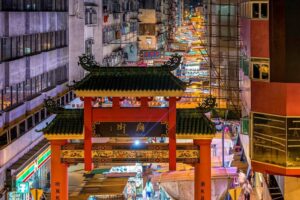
(260, 71)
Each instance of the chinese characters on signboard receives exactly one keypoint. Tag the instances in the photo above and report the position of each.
(130, 129)
(151, 55)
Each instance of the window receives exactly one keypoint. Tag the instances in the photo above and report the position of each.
(27, 44)
(5, 48)
(29, 122)
(37, 118)
(18, 46)
(62, 100)
(33, 5)
(264, 10)
(43, 114)
(88, 46)
(90, 15)
(3, 139)
(22, 127)
(260, 10)
(13, 133)
(255, 10)
(147, 4)
(260, 71)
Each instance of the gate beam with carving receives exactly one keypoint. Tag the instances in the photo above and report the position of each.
(128, 153)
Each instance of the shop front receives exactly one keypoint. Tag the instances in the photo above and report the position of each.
(34, 175)
(134, 187)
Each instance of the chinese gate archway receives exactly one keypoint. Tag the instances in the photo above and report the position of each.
(116, 83)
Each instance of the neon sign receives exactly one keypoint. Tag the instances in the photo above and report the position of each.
(26, 173)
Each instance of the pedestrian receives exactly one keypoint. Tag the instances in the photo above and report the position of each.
(149, 189)
(247, 190)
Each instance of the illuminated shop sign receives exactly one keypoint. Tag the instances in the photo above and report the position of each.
(151, 54)
(26, 173)
(167, 53)
(22, 188)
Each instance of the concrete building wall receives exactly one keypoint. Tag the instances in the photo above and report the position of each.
(76, 33)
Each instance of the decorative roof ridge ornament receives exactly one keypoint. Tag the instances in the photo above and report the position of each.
(52, 106)
(173, 63)
(207, 104)
(88, 62)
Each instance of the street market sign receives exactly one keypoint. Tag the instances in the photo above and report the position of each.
(130, 153)
(130, 129)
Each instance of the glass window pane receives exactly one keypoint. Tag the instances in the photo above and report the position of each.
(6, 48)
(255, 10)
(264, 10)
(27, 44)
(43, 114)
(19, 46)
(30, 123)
(13, 133)
(22, 128)
(3, 139)
(14, 47)
(255, 71)
(269, 139)
(264, 69)
(7, 98)
(37, 118)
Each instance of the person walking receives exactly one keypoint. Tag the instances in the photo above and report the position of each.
(149, 189)
(247, 190)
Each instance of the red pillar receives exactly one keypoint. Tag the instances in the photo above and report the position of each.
(203, 171)
(59, 172)
(144, 102)
(172, 133)
(88, 119)
(116, 102)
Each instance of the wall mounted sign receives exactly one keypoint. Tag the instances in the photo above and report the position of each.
(151, 55)
(130, 129)
(23, 188)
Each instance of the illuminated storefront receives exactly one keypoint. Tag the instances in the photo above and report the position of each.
(36, 174)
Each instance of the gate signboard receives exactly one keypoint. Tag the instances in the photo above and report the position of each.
(130, 129)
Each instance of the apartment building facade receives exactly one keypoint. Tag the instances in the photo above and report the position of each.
(270, 90)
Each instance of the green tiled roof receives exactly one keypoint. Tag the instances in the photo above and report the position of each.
(192, 121)
(70, 121)
(130, 79)
(114, 81)
(189, 121)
